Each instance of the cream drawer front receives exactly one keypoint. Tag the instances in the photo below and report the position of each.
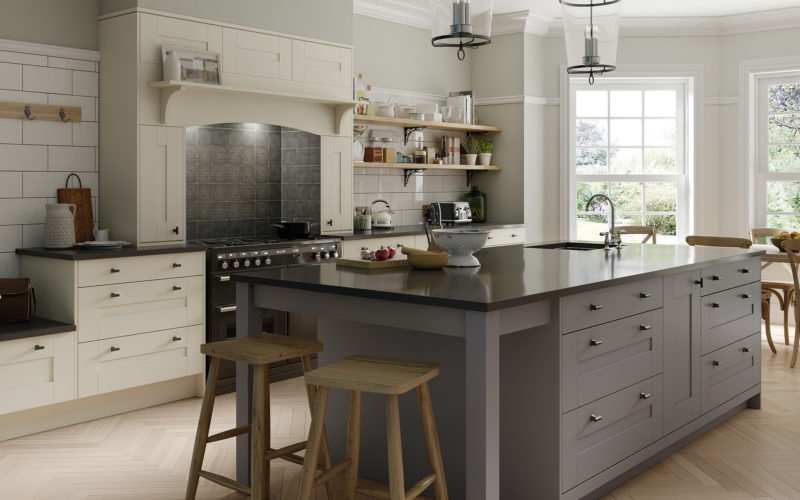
(351, 249)
(160, 30)
(112, 365)
(729, 316)
(142, 268)
(248, 58)
(729, 371)
(511, 236)
(323, 64)
(37, 371)
(600, 434)
(601, 360)
(111, 311)
(730, 275)
(607, 304)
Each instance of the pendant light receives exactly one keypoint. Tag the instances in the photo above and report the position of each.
(461, 33)
(591, 31)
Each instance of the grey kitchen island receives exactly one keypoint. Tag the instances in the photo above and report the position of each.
(563, 372)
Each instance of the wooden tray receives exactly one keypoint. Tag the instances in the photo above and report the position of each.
(372, 264)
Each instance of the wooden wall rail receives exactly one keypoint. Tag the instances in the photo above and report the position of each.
(51, 112)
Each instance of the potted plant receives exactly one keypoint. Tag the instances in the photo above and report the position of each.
(471, 149)
(485, 148)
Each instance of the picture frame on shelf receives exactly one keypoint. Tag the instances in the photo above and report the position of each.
(191, 65)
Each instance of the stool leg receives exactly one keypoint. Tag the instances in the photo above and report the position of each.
(259, 437)
(315, 435)
(203, 425)
(787, 300)
(432, 441)
(397, 488)
(325, 458)
(353, 445)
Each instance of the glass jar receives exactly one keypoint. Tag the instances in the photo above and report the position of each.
(477, 204)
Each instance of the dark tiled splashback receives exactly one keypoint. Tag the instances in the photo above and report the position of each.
(241, 178)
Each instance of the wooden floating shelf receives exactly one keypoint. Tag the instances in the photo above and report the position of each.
(408, 123)
(410, 169)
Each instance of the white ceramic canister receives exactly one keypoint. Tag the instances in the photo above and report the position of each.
(59, 225)
(172, 67)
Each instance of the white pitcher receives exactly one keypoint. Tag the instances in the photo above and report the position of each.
(59, 225)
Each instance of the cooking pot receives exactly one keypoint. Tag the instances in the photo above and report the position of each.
(294, 230)
(381, 218)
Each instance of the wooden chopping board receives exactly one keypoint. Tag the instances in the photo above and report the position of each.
(81, 197)
(372, 264)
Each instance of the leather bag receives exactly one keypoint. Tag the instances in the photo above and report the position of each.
(17, 300)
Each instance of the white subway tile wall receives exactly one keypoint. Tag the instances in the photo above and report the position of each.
(36, 156)
(370, 184)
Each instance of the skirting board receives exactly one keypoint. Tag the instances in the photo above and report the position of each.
(45, 418)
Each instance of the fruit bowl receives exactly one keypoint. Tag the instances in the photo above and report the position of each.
(460, 244)
(777, 242)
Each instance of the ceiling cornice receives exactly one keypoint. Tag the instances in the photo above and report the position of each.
(410, 12)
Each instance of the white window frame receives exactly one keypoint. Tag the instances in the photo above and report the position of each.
(690, 76)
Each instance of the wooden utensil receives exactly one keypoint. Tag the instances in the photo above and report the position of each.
(82, 198)
(372, 264)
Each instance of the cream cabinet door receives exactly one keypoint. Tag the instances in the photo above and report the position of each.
(248, 58)
(161, 184)
(179, 33)
(336, 183)
(322, 64)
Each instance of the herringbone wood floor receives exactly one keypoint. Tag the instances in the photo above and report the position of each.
(145, 454)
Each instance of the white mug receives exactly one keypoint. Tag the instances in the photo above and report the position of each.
(100, 234)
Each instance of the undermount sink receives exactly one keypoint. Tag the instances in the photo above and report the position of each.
(569, 245)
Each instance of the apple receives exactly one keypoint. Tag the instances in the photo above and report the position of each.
(794, 234)
(382, 253)
(392, 252)
(784, 235)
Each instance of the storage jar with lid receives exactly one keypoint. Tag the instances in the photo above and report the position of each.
(477, 204)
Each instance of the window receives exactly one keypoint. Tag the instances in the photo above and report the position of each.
(628, 141)
(778, 164)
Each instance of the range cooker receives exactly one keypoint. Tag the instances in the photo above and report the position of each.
(226, 257)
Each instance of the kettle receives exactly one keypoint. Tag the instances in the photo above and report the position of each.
(381, 218)
(59, 225)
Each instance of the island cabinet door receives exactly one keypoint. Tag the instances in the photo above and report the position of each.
(681, 349)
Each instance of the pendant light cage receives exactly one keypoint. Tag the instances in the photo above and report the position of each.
(461, 24)
(591, 32)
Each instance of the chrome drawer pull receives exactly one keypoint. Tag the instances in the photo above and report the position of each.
(114, 294)
(715, 278)
(114, 270)
(38, 347)
(745, 349)
(175, 264)
(745, 271)
(114, 349)
(716, 305)
(226, 309)
(595, 307)
(644, 328)
(176, 339)
(595, 342)
(745, 295)
(716, 363)
(645, 295)
(176, 288)
(643, 395)
(224, 278)
(596, 418)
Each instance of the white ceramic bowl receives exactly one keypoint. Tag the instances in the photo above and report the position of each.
(461, 244)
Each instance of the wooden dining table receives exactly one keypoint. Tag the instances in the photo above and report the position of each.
(773, 255)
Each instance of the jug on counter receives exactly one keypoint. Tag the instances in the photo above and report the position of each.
(59, 225)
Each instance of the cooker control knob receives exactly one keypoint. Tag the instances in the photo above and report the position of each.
(246, 262)
(267, 261)
(326, 255)
(257, 262)
(236, 264)
(223, 264)
(316, 256)
(334, 254)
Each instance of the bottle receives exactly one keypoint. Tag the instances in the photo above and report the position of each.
(361, 95)
(370, 101)
(477, 204)
(172, 67)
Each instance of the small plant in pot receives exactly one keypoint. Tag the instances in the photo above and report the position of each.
(485, 148)
(471, 147)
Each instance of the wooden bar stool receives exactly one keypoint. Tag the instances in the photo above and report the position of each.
(259, 351)
(388, 376)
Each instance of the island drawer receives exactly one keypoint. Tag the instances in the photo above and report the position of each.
(733, 274)
(601, 360)
(140, 268)
(600, 434)
(729, 371)
(594, 307)
(506, 236)
(729, 316)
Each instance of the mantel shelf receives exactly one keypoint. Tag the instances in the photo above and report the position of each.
(408, 123)
(410, 169)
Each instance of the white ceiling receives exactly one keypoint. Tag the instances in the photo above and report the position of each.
(655, 8)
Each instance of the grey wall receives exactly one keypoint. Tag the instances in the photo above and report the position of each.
(330, 20)
(71, 23)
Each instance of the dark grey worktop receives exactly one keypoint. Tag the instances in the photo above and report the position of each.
(414, 230)
(78, 253)
(36, 327)
(508, 276)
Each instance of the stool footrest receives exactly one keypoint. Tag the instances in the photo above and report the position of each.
(331, 472)
(225, 481)
(229, 434)
(287, 453)
(414, 492)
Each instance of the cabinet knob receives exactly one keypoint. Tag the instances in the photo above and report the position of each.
(177, 228)
(114, 270)
(114, 295)
(38, 347)
(596, 418)
(643, 395)
(716, 363)
(176, 288)
(490, 238)
(595, 342)
(645, 295)
(716, 278)
(176, 339)
(595, 307)
(644, 328)
(716, 305)
(329, 222)
(745, 295)
(114, 348)
(745, 349)
(744, 271)
(513, 235)
(175, 264)
(699, 282)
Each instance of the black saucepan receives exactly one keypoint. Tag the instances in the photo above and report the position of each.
(294, 230)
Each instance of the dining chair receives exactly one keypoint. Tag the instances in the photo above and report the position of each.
(649, 232)
(783, 290)
(791, 246)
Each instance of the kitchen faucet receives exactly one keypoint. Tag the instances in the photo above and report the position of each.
(612, 238)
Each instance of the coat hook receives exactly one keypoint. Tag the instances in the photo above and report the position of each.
(28, 112)
(63, 115)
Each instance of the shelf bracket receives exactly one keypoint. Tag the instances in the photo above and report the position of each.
(409, 130)
(471, 174)
(408, 172)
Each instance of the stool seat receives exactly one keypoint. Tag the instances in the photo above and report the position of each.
(261, 349)
(373, 374)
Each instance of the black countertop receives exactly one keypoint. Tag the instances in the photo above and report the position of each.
(36, 327)
(78, 253)
(508, 276)
(414, 230)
